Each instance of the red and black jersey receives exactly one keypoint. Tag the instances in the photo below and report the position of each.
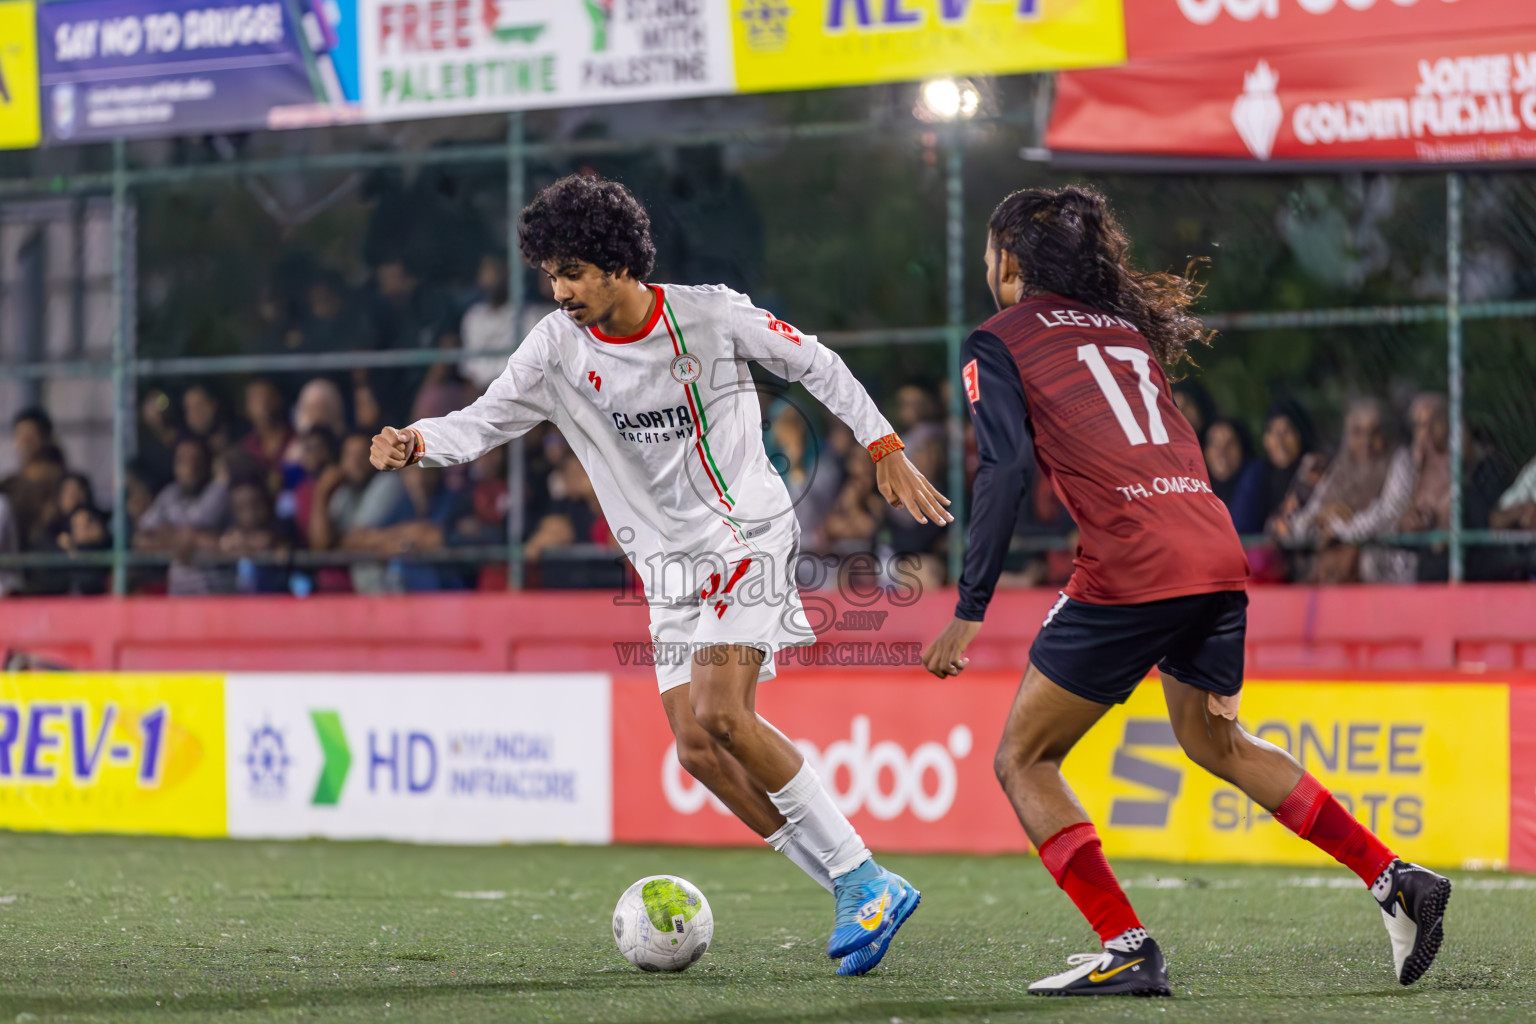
(1051, 382)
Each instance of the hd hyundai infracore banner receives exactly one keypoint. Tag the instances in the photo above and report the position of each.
(1444, 771)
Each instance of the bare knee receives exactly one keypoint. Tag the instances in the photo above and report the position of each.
(696, 752)
(1014, 757)
(722, 720)
(1217, 745)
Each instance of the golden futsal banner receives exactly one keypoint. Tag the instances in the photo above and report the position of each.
(1423, 765)
(783, 45)
(20, 126)
(102, 752)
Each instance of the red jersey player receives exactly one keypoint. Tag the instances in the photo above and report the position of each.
(1069, 376)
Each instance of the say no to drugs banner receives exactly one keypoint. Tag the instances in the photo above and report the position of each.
(147, 68)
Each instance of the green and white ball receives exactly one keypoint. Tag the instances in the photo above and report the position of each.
(663, 923)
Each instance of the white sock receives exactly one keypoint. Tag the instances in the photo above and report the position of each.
(787, 841)
(1128, 941)
(826, 834)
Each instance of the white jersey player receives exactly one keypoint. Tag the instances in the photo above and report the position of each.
(650, 386)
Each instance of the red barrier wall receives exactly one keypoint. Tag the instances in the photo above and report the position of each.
(1479, 628)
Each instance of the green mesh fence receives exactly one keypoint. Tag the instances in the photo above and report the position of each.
(269, 256)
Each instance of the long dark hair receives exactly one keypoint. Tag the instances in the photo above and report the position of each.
(1067, 242)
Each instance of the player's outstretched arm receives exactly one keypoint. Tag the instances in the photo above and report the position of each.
(904, 486)
(517, 401)
(995, 395)
(781, 349)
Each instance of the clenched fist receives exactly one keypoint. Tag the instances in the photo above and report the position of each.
(393, 449)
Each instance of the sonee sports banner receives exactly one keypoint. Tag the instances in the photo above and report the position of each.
(1445, 772)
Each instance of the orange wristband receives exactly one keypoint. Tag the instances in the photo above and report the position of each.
(419, 450)
(885, 446)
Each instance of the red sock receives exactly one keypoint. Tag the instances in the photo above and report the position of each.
(1313, 813)
(1075, 858)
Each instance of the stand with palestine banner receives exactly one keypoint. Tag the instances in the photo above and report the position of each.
(1444, 770)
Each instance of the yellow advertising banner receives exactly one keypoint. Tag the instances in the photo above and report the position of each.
(20, 125)
(1425, 766)
(104, 752)
(783, 45)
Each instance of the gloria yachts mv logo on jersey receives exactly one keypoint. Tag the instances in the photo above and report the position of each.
(686, 368)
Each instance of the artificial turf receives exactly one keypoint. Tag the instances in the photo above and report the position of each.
(96, 928)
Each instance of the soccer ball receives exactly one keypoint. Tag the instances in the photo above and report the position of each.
(663, 923)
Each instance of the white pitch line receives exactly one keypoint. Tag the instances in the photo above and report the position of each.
(1317, 882)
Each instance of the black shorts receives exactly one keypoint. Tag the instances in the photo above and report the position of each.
(1101, 651)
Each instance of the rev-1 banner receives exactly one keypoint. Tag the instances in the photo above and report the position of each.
(137, 68)
(1465, 99)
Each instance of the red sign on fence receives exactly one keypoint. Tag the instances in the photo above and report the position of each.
(1178, 28)
(1464, 99)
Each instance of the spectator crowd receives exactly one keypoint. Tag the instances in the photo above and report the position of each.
(266, 487)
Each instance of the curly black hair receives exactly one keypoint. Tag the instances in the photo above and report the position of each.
(1067, 242)
(600, 222)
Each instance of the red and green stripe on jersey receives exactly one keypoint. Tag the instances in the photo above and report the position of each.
(696, 404)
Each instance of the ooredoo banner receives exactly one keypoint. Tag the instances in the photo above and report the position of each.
(429, 58)
(421, 758)
(135, 68)
(1464, 99)
(1181, 28)
(909, 760)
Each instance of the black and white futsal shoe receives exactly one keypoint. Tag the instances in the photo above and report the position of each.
(1129, 965)
(1413, 903)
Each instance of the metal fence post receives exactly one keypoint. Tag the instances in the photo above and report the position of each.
(122, 400)
(517, 166)
(1453, 190)
(955, 334)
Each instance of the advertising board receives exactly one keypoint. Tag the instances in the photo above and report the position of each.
(439, 759)
(1187, 28)
(854, 42)
(429, 58)
(1424, 766)
(909, 759)
(1461, 99)
(148, 68)
(19, 124)
(102, 752)
(1444, 772)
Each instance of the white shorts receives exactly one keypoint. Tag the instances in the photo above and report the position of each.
(755, 604)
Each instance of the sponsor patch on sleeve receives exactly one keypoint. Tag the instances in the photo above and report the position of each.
(780, 327)
(972, 383)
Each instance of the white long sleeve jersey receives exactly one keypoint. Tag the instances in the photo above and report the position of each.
(666, 422)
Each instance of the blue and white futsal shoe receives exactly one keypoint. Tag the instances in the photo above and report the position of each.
(868, 900)
(862, 961)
